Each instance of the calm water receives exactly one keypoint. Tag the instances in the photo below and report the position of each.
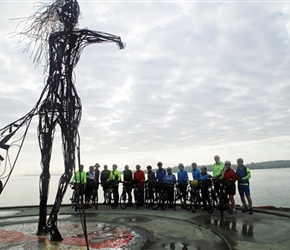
(269, 187)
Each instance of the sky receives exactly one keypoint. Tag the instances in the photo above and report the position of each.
(196, 79)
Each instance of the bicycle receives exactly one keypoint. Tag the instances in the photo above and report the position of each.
(162, 196)
(147, 195)
(139, 201)
(92, 192)
(178, 196)
(106, 193)
(110, 194)
(124, 198)
(210, 197)
(77, 199)
(223, 199)
(95, 197)
(150, 195)
(195, 197)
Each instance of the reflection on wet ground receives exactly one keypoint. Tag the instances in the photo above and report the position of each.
(247, 229)
(133, 219)
(234, 224)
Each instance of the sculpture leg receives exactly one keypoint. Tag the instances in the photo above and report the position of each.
(45, 138)
(69, 143)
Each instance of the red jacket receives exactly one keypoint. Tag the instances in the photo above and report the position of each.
(140, 176)
(230, 175)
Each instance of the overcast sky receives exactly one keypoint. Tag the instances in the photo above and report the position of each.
(196, 79)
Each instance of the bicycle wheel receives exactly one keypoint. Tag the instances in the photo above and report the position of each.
(164, 200)
(193, 202)
(154, 201)
(73, 199)
(111, 199)
(123, 200)
(147, 198)
(137, 198)
(106, 197)
(209, 203)
(185, 201)
(95, 198)
(188, 199)
(175, 198)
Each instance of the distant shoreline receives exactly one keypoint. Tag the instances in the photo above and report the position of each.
(251, 166)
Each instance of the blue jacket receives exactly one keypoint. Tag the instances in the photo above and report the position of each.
(182, 177)
(204, 177)
(243, 174)
(170, 178)
(195, 174)
(160, 174)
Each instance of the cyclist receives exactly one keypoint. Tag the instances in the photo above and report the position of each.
(182, 178)
(115, 178)
(160, 173)
(195, 171)
(205, 181)
(150, 174)
(170, 181)
(79, 180)
(96, 181)
(229, 179)
(140, 177)
(150, 179)
(127, 178)
(104, 177)
(97, 175)
(90, 185)
(243, 176)
(218, 168)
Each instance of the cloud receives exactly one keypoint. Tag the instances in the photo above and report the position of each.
(195, 80)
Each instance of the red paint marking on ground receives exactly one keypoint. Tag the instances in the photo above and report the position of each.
(118, 242)
(13, 236)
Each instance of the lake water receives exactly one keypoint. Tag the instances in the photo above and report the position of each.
(269, 187)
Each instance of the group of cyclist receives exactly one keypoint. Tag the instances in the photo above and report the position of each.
(222, 173)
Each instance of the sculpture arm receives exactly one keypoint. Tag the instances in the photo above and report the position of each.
(101, 37)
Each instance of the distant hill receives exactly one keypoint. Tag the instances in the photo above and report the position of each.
(258, 165)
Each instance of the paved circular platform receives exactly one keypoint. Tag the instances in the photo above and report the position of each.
(112, 230)
(149, 229)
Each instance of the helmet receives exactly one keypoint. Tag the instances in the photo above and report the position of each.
(180, 165)
(159, 164)
(193, 164)
(194, 183)
(240, 160)
(228, 163)
(97, 165)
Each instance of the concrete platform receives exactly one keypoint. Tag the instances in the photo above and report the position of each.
(145, 228)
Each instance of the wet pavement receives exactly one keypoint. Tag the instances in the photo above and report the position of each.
(145, 228)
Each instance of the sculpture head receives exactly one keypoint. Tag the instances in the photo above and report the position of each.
(69, 13)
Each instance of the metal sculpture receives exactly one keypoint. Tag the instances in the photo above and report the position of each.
(54, 27)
